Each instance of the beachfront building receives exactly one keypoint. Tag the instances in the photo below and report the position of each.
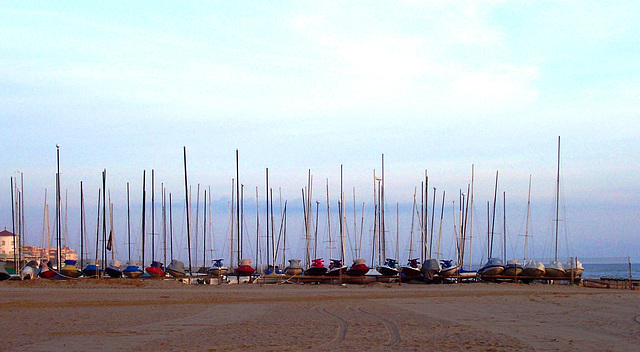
(7, 241)
(29, 252)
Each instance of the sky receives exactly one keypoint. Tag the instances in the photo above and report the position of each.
(299, 85)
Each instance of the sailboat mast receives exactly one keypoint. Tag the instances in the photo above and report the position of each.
(153, 216)
(128, 223)
(329, 222)
(82, 226)
(440, 230)
(164, 223)
(186, 203)
(13, 227)
(98, 225)
(258, 229)
(144, 202)
(58, 206)
(238, 205)
(471, 217)
(504, 227)
(104, 219)
(382, 231)
(267, 211)
(170, 227)
(204, 234)
(526, 231)
(197, 222)
(342, 235)
(557, 201)
(493, 221)
(433, 213)
(110, 246)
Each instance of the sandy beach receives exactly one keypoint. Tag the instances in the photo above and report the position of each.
(125, 315)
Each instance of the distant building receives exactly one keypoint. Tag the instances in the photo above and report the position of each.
(29, 252)
(7, 241)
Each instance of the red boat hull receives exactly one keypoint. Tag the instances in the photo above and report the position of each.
(357, 270)
(245, 270)
(49, 274)
(155, 271)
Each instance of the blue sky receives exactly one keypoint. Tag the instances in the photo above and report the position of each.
(437, 85)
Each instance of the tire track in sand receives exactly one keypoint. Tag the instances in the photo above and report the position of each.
(343, 326)
(394, 333)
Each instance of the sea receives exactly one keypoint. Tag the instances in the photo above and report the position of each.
(611, 271)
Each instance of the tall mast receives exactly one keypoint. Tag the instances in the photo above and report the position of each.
(433, 213)
(98, 227)
(170, 227)
(164, 223)
(238, 205)
(144, 202)
(471, 217)
(104, 218)
(128, 224)
(82, 224)
(383, 232)
(58, 217)
(258, 229)
(13, 226)
(526, 232)
(504, 227)
(267, 213)
(493, 221)
(342, 236)
(153, 216)
(440, 229)
(204, 234)
(557, 201)
(197, 222)
(329, 222)
(186, 197)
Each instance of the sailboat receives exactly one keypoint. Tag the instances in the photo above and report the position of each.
(574, 268)
(45, 270)
(513, 267)
(176, 268)
(217, 269)
(244, 267)
(317, 267)
(113, 269)
(29, 271)
(132, 269)
(555, 268)
(493, 266)
(4, 275)
(532, 268)
(294, 267)
(92, 269)
(156, 269)
(411, 270)
(70, 269)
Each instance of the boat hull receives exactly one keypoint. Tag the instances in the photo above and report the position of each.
(555, 272)
(245, 270)
(218, 271)
(336, 271)
(410, 272)
(49, 274)
(155, 271)
(132, 272)
(113, 272)
(533, 272)
(357, 270)
(512, 271)
(387, 271)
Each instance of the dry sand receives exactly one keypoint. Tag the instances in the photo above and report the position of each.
(127, 315)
